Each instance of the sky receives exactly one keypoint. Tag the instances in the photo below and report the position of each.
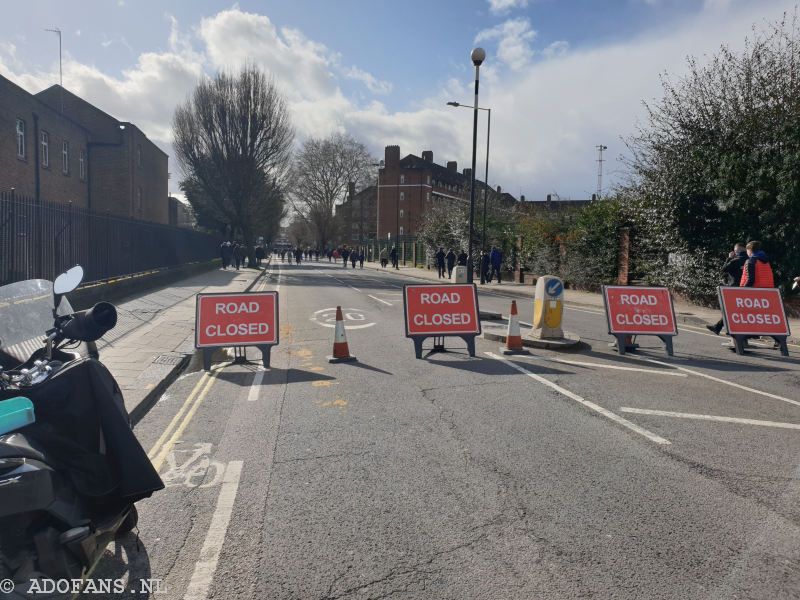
(560, 77)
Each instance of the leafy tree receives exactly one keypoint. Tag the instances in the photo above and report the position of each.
(233, 139)
(320, 175)
(718, 161)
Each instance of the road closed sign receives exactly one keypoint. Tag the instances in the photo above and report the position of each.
(639, 310)
(248, 319)
(437, 310)
(753, 311)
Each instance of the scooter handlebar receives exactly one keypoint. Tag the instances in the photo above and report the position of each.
(90, 325)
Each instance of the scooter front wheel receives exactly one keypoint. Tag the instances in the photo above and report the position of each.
(129, 523)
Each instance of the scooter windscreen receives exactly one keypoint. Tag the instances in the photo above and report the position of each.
(26, 308)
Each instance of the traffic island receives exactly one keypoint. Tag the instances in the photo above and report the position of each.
(499, 333)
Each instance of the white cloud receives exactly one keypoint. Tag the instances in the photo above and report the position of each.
(555, 49)
(514, 46)
(503, 6)
(373, 85)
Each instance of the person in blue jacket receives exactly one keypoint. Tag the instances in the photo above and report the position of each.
(496, 260)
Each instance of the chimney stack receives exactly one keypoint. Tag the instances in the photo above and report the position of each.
(548, 200)
(427, 155)
(499, 190)
(351, 189)
(522, 198)
(468, 173)
(392, 160)
(452, 166)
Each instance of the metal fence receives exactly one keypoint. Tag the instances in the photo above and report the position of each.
(411, 251)
(41, 240)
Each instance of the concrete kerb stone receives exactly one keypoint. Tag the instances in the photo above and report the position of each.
(165, 375)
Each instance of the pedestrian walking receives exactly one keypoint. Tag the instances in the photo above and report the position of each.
(393, 256)
(462, 259)
(361, 258)
(260, 255)
(451, 263)
(440, 261)
(483, 265)
(731, 276)
(238, 255)
(496, 261)
(345, 255)
(384, 257)
(225, 254)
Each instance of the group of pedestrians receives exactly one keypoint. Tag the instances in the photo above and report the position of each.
(234, 254)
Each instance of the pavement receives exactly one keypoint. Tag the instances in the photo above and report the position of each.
(153, 342)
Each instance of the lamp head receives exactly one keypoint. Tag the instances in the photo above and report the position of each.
(478, 55)
(453, 104)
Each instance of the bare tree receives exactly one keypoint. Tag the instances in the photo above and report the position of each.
(233, 140)
(320, 175)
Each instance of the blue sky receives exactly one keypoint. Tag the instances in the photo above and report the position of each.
(560, 76)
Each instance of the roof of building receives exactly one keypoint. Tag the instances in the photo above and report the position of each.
(445, 175)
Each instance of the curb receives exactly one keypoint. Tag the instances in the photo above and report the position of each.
(138, 412)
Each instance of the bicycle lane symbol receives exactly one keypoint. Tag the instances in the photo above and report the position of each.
(354, 318)
(195, 471)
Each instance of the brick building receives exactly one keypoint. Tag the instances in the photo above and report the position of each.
(56, 147)
(408, 186)
(359, 215)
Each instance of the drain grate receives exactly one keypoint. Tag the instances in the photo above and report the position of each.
(168, 359)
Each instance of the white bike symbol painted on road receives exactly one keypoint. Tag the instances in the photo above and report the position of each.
(195, 471)
(354, 318)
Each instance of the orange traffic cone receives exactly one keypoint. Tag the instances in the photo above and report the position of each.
(341, 353)
(513, 337)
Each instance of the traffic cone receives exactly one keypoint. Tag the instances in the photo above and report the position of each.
(513, 337)
(341, 353)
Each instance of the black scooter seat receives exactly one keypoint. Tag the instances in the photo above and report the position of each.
(16, 445)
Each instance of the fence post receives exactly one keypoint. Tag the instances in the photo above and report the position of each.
(623, 256)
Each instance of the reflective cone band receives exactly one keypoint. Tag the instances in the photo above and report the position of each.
(513, 339)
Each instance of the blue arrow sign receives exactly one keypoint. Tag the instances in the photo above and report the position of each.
(553, 288)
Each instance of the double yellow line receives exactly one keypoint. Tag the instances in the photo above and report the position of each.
(159, 452)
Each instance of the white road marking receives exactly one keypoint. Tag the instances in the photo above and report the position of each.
(591, 312)
(664, 413)
(209, 555)
(255, 387)
(344, 283)
(599, 409)
(602, 366)
(718, 380)
(379, 300)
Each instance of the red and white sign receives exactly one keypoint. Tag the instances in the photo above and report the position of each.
(639, 310)
(753, 311)
(249, 319)
(441, 309)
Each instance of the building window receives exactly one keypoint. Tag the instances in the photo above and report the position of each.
(401, 231)
(45, 149)
(402, 196)
(402, 178)
(139, 200)
(20, 138)
(82, 163)
(139, 155)
(428, 196)
(65, 158)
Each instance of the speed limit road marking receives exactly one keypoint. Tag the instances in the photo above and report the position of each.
(354, 318)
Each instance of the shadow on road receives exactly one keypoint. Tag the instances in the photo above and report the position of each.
(127, 564)
(273, 376)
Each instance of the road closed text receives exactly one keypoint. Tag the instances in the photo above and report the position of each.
(756, 311)
(642, 311)
(237, 319)
(441, 309)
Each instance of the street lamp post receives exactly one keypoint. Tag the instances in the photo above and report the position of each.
(486, 175)
(478, 55)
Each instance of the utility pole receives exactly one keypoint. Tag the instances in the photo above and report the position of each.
(600, 149)
(60, 69)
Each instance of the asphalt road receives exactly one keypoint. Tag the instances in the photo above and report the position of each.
(461, 477)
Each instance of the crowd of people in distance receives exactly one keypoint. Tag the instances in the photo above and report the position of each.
(235, 255)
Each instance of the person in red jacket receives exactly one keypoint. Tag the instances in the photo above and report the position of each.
(757, 271)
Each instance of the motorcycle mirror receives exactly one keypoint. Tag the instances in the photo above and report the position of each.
(68, 281)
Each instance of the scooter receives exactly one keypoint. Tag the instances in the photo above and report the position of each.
(71, 468)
